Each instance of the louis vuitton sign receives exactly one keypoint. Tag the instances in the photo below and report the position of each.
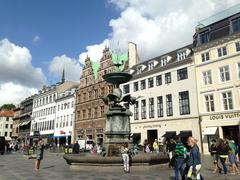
(225, 116)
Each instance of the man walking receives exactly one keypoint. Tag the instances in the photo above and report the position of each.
(180, 154)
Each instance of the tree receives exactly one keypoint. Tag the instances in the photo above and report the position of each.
(7, 107)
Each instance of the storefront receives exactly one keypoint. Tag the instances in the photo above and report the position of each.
(166, 130)
(222, 125)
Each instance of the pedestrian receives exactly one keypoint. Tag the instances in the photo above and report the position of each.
(99, 149)
(171, 148)
(76, 148)
(156, 146)
(125, 157)
(179, 155)
(195, 160)
(147, 149)
(39, 153)
(145, 143)
(232, 157)
(222, 152)
(213, 151)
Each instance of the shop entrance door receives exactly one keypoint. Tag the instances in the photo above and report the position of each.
(152, 135)
(232, 133)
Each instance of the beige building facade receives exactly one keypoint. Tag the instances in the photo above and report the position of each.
(217, 60)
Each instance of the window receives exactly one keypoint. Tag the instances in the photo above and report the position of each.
(222, 51)
(207, 77)
(136, 113)
(236, 25)
(237, 44)
(150, 82)
(160, 106)
(204, 37)
(168, 78)
(209, 103)
(143, 84)
(102, 91)
(184, 104)
(164, 61)
(10, 134)
(181, 55)
(143, 109)
(139, 69)
(227, 100)
(84, 114)
(182, 74)
(150, 65)
(135, 86)
(158, 80)
(169, 105)
(126, 89)
(151, 108)
(205, 56)
(89, 113)
(6, 125)
(224, 73)
(6, 134)
(238, 70)
(96, 93)
(102, 111)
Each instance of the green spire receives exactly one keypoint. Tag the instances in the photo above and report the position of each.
(95, 68)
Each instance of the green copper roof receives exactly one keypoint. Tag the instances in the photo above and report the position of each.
(219, 16)
(119, 59)
(95, 68)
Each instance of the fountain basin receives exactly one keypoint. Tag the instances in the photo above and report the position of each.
(117, 77)
(95, 160)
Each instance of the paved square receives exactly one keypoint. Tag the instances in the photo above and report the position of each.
(17, 167)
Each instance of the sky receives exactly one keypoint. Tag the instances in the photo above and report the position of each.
(38, 38)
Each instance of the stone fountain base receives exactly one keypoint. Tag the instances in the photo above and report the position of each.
(88, 161)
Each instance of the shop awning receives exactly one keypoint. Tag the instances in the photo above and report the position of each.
(169, 134)
(185, 134)
(210, 131)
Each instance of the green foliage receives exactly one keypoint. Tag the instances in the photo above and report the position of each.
(7, 107)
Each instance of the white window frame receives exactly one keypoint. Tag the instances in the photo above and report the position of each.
(139, 69)
(205, 57)
(207, 78)
(209, 102)
(238, 70)
(164, 61)
(222, 100)
(221, 48)
(181, 55)
(224, 80)
(151, 65)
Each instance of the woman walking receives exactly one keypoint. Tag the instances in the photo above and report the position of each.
(39, 153)
(195, 160)
(125, 157)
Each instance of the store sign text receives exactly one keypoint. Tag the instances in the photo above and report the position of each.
(225, 116)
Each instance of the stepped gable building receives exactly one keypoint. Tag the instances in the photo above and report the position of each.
(90, 109)
(166, 104)
(6, 123)
(216, 47)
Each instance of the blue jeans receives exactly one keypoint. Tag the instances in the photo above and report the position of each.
(179, 168)
(223, 160)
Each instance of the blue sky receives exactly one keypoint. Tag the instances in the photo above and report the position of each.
(40, 37)
(63, 26)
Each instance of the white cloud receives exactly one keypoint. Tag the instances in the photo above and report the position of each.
(18, 77)
(93, 51)
(36, 39)
(14, 93)
(71, 66)
(158, 26)
(15, 63)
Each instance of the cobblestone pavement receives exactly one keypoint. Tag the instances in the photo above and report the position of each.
(17, 167)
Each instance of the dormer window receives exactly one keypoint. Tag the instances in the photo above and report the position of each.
(150, 65)
(181, 55)
(235, 25)
(164, 61)
(139, 69)
(204, 37)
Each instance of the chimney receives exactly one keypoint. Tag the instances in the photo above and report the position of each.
(133, 58)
